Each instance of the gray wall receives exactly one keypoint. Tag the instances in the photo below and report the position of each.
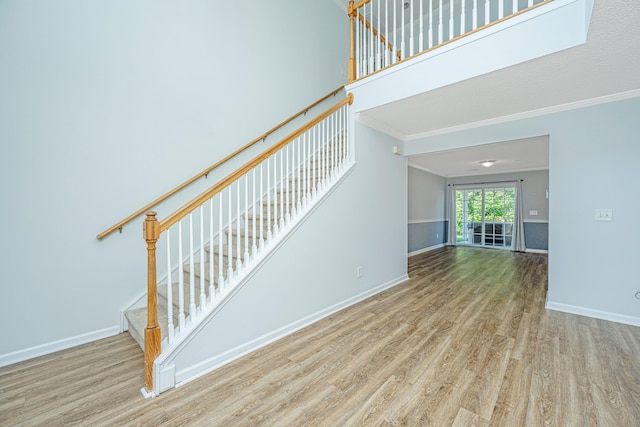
(426, 201)
(593, 164)
(534, 198)
(105, 106)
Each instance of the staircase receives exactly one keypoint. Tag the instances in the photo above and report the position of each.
(231, 230)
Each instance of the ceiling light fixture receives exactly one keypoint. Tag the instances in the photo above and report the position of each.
(487, 163)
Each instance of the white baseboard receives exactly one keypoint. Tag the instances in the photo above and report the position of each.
(44, 349)
(196, 371)
(537, 251)
(589, 312)
(430, 248)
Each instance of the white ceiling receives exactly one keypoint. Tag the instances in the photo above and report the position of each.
(608, 64)
(513, 156)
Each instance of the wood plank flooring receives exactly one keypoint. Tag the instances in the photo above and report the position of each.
(466, 341)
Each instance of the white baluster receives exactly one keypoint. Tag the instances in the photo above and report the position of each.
(261, 205)
(254, 247)
(451, 25)
(238, 234)
(313, 155)
(246, 219)
(268, 199)
(411, 38)
(514, 6)
(500, 9)
(358, 48)
(212, 289)
(275, 195)
(192, 279)
(421, 36)
(372, 47)
(487, 12)
(230, 238)
(440, 24)
(221, 281)
(386, 32)
(170, 325)
(301, 141)
(463, 18)
(394, 54)
(402, 44)
(181, 316)
(430, 45)
(281, 181)
(530, 3)
(203, 295)
(474, 15)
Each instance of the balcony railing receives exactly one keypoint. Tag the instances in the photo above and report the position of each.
(386, 32)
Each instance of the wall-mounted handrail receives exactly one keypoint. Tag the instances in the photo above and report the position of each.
(208, 170)
(224, 183)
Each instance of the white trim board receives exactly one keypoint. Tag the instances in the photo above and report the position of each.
(52, 347)
(589, 312)
(536, 251)
(537, 221)
(427, 249)
(193, 372)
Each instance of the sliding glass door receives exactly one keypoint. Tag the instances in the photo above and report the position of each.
(484, 216)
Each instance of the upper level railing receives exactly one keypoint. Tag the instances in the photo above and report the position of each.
(207, 171)
(214, 241)
(386, 32)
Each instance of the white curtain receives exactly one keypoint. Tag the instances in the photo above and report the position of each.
(451, 216)
(517, 241)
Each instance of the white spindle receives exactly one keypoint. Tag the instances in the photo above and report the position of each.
(530, 3)
(254, 247)
(474, 15)
(238, 234)
(230, 238)
(269, 233)
(402, 44)
(203, 295)
(211, 261)
(430, 45)
(221, 281)
(394, 55)
(261, 207)
(276, 221)
(421, 36)
(358, 47)
(451, 25)
(371, 41)
(379, 52)
(500, 9)
(281, 181)
(514, 6)
(411, 38)
(313, 154)
(170, 325)
(463, 18)
(440, 23)
(487, 12)
(302, 141)
(181, 316)
(386, 32)
(246, 219)
(192, 279)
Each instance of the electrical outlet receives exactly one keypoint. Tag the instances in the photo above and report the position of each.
(437, 235)
(359, 272)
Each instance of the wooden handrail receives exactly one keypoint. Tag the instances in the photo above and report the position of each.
(208, 170)
(226, 182)
(353, 12)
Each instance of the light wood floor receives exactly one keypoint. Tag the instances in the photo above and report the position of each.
(466, 341)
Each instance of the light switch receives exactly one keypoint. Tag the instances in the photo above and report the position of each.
(604, 215)
(533, 213)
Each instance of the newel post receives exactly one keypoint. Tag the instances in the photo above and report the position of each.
(151, 231)
(351, 68)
